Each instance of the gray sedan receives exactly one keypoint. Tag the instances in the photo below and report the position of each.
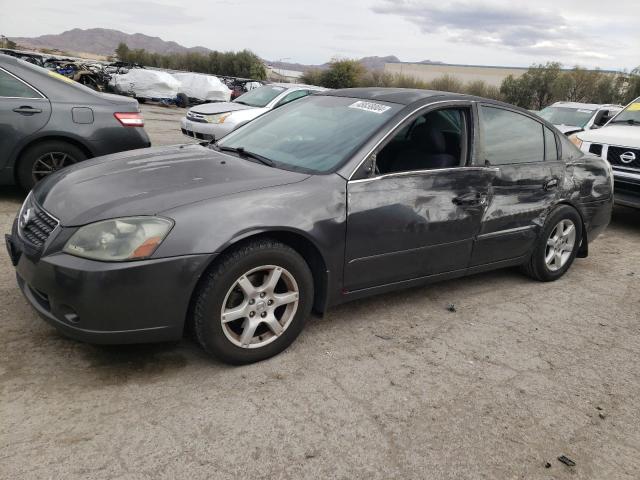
(48, 121)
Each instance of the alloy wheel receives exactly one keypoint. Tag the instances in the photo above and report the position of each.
(49, 163)
(560, 245)
(259, 306)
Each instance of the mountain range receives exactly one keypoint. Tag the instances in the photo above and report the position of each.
(103, 42)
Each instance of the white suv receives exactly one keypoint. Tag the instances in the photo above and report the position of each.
(619, 143)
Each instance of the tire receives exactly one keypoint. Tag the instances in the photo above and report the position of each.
(257, 262)
(48, 151)
(558, 222)
(141, 100)
(182, 100)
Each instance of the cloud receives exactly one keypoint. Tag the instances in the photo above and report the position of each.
(150, 12)
(503, 25)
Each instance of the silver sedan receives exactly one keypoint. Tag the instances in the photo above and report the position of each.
(212, 121)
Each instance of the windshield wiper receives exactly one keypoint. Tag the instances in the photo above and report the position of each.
(629, 121)
(245, 154)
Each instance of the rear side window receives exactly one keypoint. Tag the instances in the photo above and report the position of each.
(510, 137)
(550, 145)
(11, 87)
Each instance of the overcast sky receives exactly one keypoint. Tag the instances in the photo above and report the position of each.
(488, 32)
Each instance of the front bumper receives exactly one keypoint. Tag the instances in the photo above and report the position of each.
(109, 303)
(627, 188)
(204, 131)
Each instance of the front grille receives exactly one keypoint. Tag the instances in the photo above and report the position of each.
(595, 148)
(197, 117)
(35, 224)
(615, 156)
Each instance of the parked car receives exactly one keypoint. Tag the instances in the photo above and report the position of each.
(334, 197)
(619, 143)
(212, 121)
(572, 117)
(48, 121)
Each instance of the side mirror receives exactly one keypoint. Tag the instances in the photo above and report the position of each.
(602, 117)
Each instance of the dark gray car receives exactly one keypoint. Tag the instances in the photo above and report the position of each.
(48, 121)
(333, 197)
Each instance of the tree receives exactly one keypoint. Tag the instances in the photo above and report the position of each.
(122, 52)
(342, 74)
(516, 91)
(312, 77)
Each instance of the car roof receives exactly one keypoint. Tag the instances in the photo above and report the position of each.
(586, 106)
(409, 96)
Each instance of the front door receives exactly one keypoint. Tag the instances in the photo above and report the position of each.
(419, 213)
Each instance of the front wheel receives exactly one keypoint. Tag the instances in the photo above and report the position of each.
(557, 245)
(253, 303)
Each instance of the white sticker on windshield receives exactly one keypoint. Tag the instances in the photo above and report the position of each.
(370, 106)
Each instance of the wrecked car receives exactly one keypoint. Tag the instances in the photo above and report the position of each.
(337, 196)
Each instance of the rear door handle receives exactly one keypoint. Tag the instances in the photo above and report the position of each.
(551, 184)
(471, 199)
(27, 110)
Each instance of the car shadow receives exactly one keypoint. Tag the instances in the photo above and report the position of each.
(11, 192)
(626, 218)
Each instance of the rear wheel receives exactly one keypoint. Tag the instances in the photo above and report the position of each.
(253, 303)
(182, 100)
(42, 159)
(557, 246)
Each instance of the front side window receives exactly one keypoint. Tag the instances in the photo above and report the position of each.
(260, 97)
(510, 137)
(290, 97)
(315, 134)
(12, 87)
(431, 141)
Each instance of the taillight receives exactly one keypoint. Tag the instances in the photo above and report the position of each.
(130, 119)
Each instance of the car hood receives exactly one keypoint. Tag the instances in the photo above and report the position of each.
(621, 135)
(568, 128)
(150, 181)
(219, 107)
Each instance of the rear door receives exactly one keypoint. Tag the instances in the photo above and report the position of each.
(529, 177)
(23, 111)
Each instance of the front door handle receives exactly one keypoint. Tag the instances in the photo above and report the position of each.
(551, 184)
(471, 199)
(27, 110)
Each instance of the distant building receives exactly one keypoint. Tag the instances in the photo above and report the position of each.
(285, 76)
(492, 75)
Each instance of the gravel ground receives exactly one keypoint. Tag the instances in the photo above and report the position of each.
(392, 387)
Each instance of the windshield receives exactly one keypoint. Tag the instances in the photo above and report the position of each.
(314, 134)
(575, 117)
(631, 113)
(260, 97)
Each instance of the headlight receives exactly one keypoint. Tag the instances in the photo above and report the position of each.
(218, 117)
(119, 239)
(575, 140)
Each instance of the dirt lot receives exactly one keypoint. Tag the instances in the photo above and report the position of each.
(392, 387)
